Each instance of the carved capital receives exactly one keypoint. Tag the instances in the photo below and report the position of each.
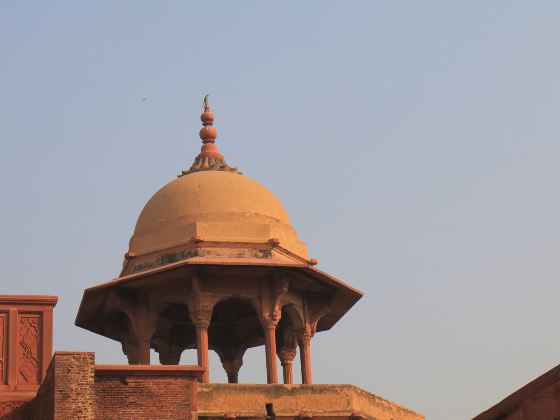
(304, 337)
(270, 321)
(287, 356)
(141, 313)
(201, 319)
(315, 315)
(279, 289)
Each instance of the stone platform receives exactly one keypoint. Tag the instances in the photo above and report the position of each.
(296, 401)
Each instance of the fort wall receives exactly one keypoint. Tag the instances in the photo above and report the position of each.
(75, 388)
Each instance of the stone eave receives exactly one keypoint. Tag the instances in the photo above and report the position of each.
(344, 295)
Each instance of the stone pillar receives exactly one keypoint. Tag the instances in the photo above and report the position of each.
(201, 321)
(232, 369)
(304, 342)
(270, 349)
(286, 359)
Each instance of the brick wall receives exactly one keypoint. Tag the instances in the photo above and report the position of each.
(143, 395)
(43, 401)
(75, 388)
(67, 390)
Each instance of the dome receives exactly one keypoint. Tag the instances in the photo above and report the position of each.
(213, 205)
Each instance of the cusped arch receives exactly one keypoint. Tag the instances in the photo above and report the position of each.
(174, 332)
(253, 301)
(291, 322)
(294, 314)
(234, 327)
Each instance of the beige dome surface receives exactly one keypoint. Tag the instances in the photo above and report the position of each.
(216, 206)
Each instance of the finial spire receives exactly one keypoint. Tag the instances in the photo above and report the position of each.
(209, 159)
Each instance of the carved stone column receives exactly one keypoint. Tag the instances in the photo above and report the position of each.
(269, 326)
(286, 359)
(201, 321)
(232, 369)
(304, 342)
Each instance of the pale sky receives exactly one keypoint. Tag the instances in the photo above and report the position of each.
(415, 146)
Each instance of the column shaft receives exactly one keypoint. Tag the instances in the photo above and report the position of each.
(286, 358)
(305, 358)
(287, 371)
(270, 348)
(202, 350)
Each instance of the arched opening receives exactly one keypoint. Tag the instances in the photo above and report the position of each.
(234, 328)
(286, 339)
(189, 357)
(174, 333)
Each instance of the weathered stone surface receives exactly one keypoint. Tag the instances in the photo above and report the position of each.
(216, 400)
(217, 206)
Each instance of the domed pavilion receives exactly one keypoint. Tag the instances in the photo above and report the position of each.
(215, 263)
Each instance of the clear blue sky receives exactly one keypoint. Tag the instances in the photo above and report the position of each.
(415, 146)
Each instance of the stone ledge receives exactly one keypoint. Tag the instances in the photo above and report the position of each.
(17, 396)
(29, 300)
(149, 370)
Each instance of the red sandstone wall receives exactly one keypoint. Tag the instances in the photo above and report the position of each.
(67, 390)
(43, 401)
(25, 344)
(543, 405)
(12, 410)
(151, 397)
(539, 399)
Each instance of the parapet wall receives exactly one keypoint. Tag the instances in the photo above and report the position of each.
(297, 401)
(75, 388)
(25, 343)
(145, 392)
